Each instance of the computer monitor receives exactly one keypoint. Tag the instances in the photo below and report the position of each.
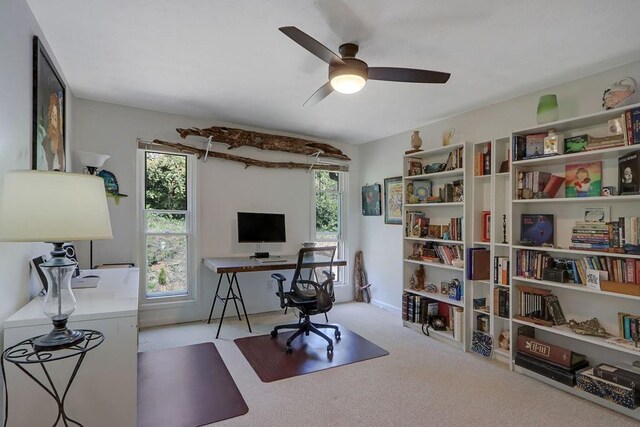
(254, 227)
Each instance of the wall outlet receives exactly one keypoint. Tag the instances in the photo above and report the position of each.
(270, 284)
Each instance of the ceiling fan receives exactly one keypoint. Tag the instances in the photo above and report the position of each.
(348, 74)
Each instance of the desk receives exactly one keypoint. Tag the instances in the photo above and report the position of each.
(229, 267)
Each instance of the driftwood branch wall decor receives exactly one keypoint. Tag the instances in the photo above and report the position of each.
(239, 137)
(248, 161)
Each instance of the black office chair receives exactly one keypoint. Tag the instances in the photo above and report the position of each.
(308, 296)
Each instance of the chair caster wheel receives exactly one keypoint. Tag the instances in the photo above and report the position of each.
(330, 349)
(337, 335)
(274, 334)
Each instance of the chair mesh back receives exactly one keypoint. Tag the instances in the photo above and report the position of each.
(311, 255)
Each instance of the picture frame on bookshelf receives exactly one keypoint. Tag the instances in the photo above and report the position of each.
(435, 231)
(371, 200)
(486, 226)
(393, 200)
(422, 190)
(414, 167)
(537, 229)
(481, 344)
(583, 179)
(628, 174)
(597, 214)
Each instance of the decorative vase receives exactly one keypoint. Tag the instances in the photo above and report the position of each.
(547, 109)
(416, 141)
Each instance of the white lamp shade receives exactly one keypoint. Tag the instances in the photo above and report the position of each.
(90, 159)
(38, 206)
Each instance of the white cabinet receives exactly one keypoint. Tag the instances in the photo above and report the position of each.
(104, 392)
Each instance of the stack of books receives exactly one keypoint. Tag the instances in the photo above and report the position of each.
(591, 236)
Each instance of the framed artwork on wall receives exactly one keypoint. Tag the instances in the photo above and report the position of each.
(393, 200)
(371, 200)
(48, 115)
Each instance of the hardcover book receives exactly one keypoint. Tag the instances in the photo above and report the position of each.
(583, 179)
(537, 229)
(550, 353)
(618, 375)
(564, 376)
(628, 173)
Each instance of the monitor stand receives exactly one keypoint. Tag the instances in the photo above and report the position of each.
(261, 255)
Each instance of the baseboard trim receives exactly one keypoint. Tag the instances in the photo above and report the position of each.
(387, 307)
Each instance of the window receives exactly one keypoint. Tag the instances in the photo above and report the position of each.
(328, 212)
(167, 224)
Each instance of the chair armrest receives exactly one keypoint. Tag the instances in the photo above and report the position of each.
(329, 274)
(280, 279)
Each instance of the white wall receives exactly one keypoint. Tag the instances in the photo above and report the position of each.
(383, 158)
(224, 188)
(17, 28)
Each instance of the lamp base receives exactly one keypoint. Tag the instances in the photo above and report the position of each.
(60, 337)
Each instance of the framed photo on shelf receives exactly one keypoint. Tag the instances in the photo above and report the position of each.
(393, 200)
(599, 214)
(414, 167)
(486, 226)
(371, 200)
(48, 114)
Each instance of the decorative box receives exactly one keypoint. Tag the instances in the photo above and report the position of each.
(575, 144)
(620, 395)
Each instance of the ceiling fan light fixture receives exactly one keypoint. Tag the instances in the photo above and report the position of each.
(348, 83)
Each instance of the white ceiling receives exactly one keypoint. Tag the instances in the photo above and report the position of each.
(226, 60)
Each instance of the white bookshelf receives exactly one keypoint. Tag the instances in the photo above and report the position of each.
(438, 214)
(578, 301)
(490, 192)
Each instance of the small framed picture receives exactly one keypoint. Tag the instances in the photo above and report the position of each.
(486, 226)
(599, 214)
(435, 231)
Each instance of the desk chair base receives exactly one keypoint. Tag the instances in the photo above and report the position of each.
(305, 327)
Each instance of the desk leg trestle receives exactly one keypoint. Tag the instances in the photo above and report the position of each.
(231, 294)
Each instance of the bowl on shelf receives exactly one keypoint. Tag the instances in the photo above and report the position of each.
(309, 244)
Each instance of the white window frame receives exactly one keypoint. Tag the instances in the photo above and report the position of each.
(167, 301)
(342, 242)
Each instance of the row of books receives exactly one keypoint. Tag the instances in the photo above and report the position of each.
(501, 270)
(540, 306)
(629, 327)
(482, 161)
(530, 183)
(439, 253)
(455, 159)
(501, 302)
(418, 309)
(478, 262)
(456, 228)
(609, 236)
(532, 264)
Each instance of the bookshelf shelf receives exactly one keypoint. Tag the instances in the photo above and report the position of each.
(434, 205)
(482, 177)
(481, 243)
(443, 241)
(438, 297)
(436, 214)
(436, 175)
(574, 287)
(592, 200)
(576, 252)
(583, 156)
(434, 264)
(446, 336)
(633, 413)
(566, 331)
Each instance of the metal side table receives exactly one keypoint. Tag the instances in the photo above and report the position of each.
(24, 354)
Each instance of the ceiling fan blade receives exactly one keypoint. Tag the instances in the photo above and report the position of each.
(409, 75)
(312, 45)
(319, 95)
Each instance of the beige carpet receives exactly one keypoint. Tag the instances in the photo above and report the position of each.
(422, 382)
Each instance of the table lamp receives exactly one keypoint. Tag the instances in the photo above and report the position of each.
(54, 207)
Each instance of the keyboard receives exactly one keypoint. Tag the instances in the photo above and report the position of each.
(270, 260)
